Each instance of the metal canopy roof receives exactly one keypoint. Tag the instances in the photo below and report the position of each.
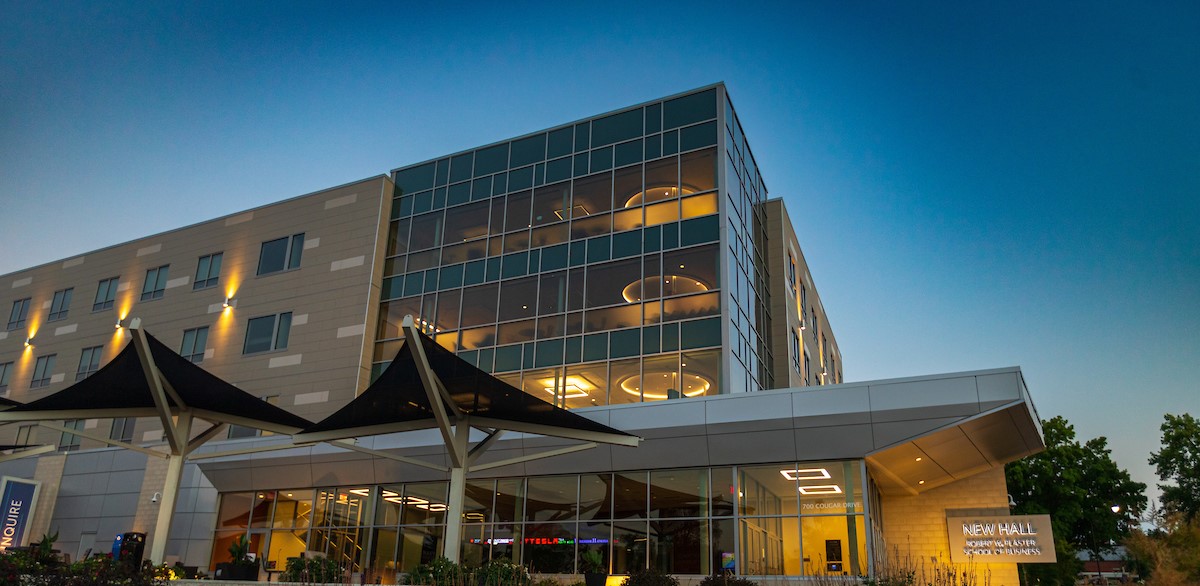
(121, 389)
(398, 401)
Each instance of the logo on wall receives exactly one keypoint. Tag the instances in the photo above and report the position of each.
(1024, 539)
(19, 499)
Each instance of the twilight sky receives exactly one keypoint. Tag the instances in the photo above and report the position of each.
(974, 187)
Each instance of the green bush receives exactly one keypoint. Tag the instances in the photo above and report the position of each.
(318, 570)
(651, 577)
(502, 572)
(441, 572)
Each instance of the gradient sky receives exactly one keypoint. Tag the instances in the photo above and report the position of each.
(1005, 183)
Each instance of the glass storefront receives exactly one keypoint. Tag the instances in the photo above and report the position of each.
(791, 519)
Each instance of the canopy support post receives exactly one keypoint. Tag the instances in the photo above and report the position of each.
(170, 493)
(458, 485)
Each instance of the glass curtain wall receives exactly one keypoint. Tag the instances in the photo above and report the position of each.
(784, 519)
(582, 264)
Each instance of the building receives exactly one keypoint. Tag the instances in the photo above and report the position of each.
(630, 266)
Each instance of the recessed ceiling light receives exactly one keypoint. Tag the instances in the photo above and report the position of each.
(821, 489)
(805, 474)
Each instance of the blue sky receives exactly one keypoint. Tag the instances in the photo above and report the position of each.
(974, 186)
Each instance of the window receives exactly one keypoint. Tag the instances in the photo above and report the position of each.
(122, 429)
(806, 369)
(194, 341)
(60, 305)
(24, 434)
(69, 441)
(106, 292)
(792, 273)
(208, 271)
(89, 362)
(42, 371)
(795, 349)
(20, 311)
(6, 369)
(156, 283)
(268, 333)
(280, 254)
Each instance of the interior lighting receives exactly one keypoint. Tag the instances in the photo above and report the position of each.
(572, 386)
(821, 489)
(805, 474)
(694, 386)
(920, 482)
(919, 459)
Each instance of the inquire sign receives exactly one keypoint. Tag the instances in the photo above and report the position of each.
(19, 499)
(1022, 539)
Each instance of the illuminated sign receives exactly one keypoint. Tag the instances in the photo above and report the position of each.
(18, 497)
(1026, 539)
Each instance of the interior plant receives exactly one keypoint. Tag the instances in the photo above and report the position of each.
(591, 564)
(240, 565)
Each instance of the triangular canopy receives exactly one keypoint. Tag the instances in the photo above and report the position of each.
(397, 401)
(5, 403)
(120, 389)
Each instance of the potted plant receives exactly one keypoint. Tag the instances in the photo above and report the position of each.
(240, 566)
(595, 571)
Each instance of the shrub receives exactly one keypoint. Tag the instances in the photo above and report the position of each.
(502, 572)
(318, 570)
(651, 577)
(440, 572)
(726, 580)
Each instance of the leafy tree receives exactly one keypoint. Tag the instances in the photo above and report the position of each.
(1179, 461)
(1077, 485)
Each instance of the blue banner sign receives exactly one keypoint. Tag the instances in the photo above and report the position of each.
(19, 497)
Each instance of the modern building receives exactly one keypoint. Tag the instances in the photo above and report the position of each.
(629, 267)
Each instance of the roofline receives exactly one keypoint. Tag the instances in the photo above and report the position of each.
(719, 84)
(200, 223)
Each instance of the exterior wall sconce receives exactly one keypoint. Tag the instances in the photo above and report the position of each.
(120, 324)
(28, 341)
(229, 302)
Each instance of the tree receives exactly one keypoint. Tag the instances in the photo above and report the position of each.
(1179, 461)
(1077, 485)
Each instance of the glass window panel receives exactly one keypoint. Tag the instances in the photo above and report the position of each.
(830, 487)
(617, 127)
(767, 490)
(599, 249)
(652, 314)
(595, 347)
(595, 494)
(574, 349)
(691, 270)
(419, 545)
(770, 546)
(595, 537)
(609, 283)
(510, 496)
(602, 159)
(419, 261)
(415, 178)
(671, 235)
(723, 491)
(560, 142)
(626, 342)
(479, 305)
(552, 293)
(700, 333)
(424, 503)
(558, 170)
(391, 501)
(518, 331)
(528, 150)
(460, 167)
(426, 231)
(439, 196)
(422, 202)
(582, 135)
(627, 187)
(550, 547)
(699, 205)
(670, 144)
(586, 386)
(660, 378)
(628, 153)
(499, 183)
(383, 553)
(477, 501)
(629, 546)
(551, 498)
(516, 242)
(698, 136)
(260, 514)
(517, 209)
(661, 213)
(691, 306)
(520, 179)
(548, 235)
(629, 495)
(834, 545)
(548, 384)
(458, 193)
(690, 109)
(653, 117)
(398, 237)
(723, 556)
(508, 358)
(680, 546)
(467, 223)
(627, 244)
(493, 159)
(581, 164)
(623, 381)
(661, 180)
(698, 171)
(234, 512)
(594, 225)
(701, 373)
(592, 195)
(679, 493)
(447, 310)
(627, 220)
(476, 544)
(621, 316)
(392, 314)
(478, 337)
(518, 299)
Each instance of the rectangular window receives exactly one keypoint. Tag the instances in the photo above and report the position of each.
(106, 292)
(20, 311)
(156, 283)
(24, 435)
(194, 341)
(6, 369)
(208, 271)
(268, 333)
(281, 254)
(122, 429)
(89, 362)
(42, 371)
(60, 305)
(806, 368)
(69, 441)
(796, 349)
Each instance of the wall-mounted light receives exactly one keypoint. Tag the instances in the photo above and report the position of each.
(229, 302)
(120, 324)
(28, 341)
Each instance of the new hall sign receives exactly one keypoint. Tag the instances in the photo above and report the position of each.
(1024, 539)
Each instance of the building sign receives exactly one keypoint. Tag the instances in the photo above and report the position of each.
(1025, 539)
(19, 498)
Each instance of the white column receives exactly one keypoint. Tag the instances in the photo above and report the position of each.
(166, 508)
(458, 484)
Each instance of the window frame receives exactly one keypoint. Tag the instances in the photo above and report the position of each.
(276, 322)
(209, 277)
(19, 313)
(109, 287)
(155, 285)
(195, 355)
(126, 425)
(92, 356)
(6, 370)
(45, 365)
(292, 254)
(61, 305)
(69, 442)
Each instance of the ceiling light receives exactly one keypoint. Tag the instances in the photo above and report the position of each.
(821, 489)
(805, 474)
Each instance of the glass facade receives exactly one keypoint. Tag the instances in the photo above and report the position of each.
(583, 264)
(783, 519)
